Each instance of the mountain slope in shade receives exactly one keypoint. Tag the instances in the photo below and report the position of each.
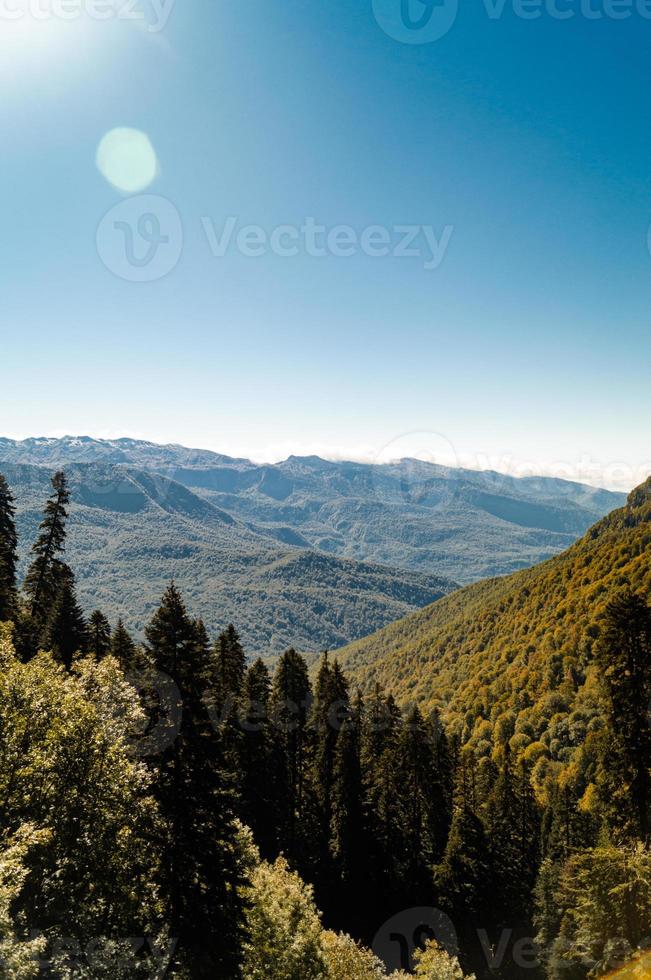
(409, 514)
(515, 653)
(131, 531)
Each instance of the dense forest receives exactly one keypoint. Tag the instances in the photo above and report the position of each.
(169, 809)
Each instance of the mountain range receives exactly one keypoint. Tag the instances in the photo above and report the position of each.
(306, 552)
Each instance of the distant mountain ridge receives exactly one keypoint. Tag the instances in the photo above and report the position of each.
(131, 531)
(412, 515)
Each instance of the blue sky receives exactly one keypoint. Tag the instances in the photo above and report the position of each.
(527, 347)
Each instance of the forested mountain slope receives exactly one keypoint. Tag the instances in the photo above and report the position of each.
(409, 514)
(522, 811)
(132, 530)
(512, 658)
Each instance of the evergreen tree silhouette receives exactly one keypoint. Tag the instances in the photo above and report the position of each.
(8, 553)
(194, 791)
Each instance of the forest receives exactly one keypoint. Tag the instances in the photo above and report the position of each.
(171, 809)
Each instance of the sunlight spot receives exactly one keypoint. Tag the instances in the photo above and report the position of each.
(126, 158)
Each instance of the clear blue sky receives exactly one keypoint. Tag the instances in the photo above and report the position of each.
(530, 342)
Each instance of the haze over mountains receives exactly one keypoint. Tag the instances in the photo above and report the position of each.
(306, 552)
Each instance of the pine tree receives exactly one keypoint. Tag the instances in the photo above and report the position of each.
(528, 831)
(226, 683)
(502, 823)
(330, 710)
(230, 667)
(465, 875)
(379, 730)
(464, 879)
(381, 727)
(99, 634)
(122, 647)
(424, 816)
(8, 553)
(444, 768)
(347, 837)
(262, 761)
(513, 829)
(202, 873)
(47, 571)
(65, 632)
(289, 709)
(548, 913)
(624, 657)
(564, 827)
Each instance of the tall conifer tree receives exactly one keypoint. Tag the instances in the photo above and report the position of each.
(122, 647)
(8, 553)
(624, 657)
(381, 727)
(289, 710)
(99, 634)
(47, 571)
(424, 817)
(330, 710)
(262, 761)
(65, 632)
(202, 872)
(512, 828)
(230, 668)
(347, 837)
(464, 878)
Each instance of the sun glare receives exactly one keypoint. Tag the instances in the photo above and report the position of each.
(32, 35)
(38, 35)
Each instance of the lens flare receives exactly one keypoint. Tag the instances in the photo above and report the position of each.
(126, 158)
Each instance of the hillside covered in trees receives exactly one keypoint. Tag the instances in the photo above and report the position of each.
(516, 652)
(131, 531)
(172, 809)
